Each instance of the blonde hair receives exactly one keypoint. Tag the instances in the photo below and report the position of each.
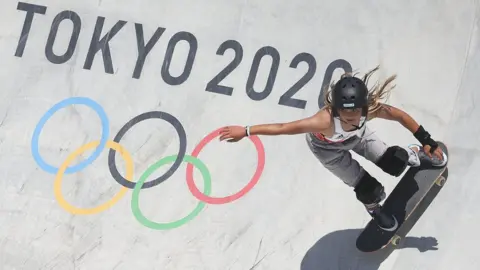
(376, 94)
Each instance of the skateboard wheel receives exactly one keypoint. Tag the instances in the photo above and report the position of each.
(440, 181)
(396, 240)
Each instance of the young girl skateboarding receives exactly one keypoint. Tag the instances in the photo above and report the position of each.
(340, 126)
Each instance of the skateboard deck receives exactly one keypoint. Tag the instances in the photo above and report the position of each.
(402, 202)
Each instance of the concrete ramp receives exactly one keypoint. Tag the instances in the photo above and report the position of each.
(99, 95)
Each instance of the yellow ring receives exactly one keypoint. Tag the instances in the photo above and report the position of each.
(57, 188)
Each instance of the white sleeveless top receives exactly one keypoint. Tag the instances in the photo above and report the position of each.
(339, 135)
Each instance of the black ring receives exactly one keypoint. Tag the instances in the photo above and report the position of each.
(145, 116)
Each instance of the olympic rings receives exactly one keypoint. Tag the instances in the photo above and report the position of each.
(145, 116)
(58, 179)
(69, 101)
(165, 226)
(127, 182)
(202, 197)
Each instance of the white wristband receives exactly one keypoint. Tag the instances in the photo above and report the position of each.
(248, 130)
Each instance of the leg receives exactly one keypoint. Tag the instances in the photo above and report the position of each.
(391, 159)
(371, 147)
(370, 192)
(339, 161)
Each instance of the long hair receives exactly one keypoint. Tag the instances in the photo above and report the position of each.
(376, 94)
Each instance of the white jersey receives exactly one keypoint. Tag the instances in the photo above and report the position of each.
(340, 135)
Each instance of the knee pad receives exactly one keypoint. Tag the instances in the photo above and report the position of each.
(394, 160)
(369, 190)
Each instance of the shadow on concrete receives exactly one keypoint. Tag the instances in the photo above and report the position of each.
(337, 250)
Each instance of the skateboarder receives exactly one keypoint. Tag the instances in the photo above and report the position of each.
(340, 126)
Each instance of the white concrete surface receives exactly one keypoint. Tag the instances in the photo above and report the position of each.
(298, 216)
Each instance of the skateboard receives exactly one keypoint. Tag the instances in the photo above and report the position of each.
(402, 202)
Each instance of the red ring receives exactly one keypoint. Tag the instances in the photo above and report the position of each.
(222, 200)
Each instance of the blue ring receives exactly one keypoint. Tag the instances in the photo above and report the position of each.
(69, 101)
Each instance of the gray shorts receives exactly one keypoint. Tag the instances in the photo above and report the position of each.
(336, 157)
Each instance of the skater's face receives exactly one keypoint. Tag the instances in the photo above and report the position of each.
(350, 116)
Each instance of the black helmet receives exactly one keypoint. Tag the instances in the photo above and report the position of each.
(349, 93)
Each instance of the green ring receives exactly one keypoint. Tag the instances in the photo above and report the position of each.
(166, 226)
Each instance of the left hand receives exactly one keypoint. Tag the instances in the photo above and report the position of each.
(438, 152)
(232, 133)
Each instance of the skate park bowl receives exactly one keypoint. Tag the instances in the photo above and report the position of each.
(109, 119)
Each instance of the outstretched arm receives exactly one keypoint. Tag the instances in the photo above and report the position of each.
(313, 123)
(316, 123)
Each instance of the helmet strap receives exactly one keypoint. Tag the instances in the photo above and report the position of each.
(363, 119)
